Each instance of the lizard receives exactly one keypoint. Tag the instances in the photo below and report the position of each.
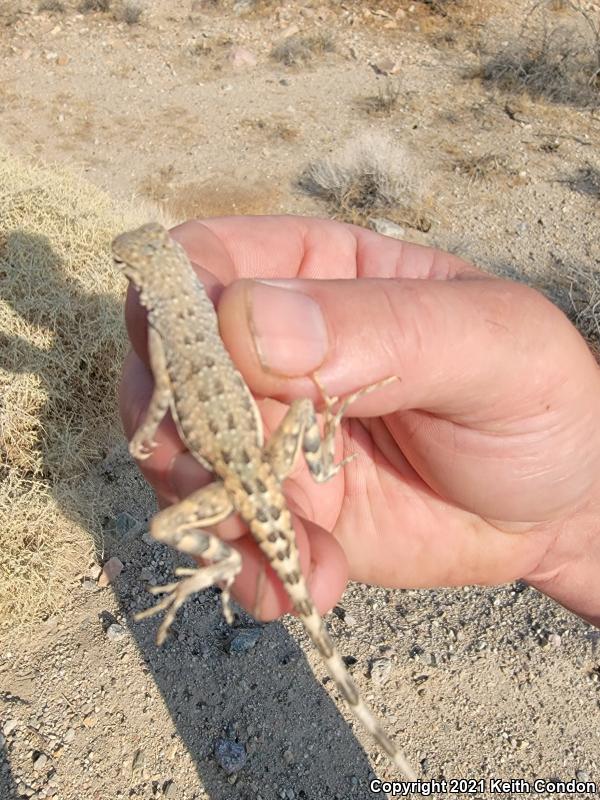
(218, 420)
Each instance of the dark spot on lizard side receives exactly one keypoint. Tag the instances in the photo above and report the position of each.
(311, 443)
(218, 386)
(261, 515)
(304, 607)
(213, 426)
(275, 512)
(292, 577)
(273, 536)
(245, 457)
(231, 421)
(260, 486)
(209, 362)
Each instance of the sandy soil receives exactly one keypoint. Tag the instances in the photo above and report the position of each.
(187, 108)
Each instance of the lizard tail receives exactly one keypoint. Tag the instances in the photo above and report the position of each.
(317, 631)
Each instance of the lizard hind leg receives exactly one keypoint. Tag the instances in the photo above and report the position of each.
(299, 429)
(180, 527)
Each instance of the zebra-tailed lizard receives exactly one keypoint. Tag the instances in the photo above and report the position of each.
(219, 422)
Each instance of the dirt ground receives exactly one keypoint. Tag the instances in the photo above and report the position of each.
(209, 108)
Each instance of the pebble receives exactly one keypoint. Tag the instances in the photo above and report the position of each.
(146, 574)
(241, 58)
(116, 632)
(381, 669)
(231, 756)
(69, 736)
(112, 568)
(387, 227)
(125, 524)
(89, 585)
(244, 639)
(39, 761)
(582, 775)
(9, 726)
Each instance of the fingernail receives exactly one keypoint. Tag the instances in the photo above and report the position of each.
(288, 328)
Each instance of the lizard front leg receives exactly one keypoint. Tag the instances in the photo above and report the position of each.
(179, 526)
(299, 429)
(142, 443)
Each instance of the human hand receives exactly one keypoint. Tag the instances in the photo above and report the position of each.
(479, 465)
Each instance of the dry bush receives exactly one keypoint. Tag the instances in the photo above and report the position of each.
(300, 49)
(371, 174)
(129, 12)
(480, 167)
(576, 290)
(384, 102)
(42, 550)
(89, 6)
(585, 180)
(61, 345)
(555, 57)
(54, 6)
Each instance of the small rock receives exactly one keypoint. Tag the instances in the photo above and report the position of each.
(2, 740)
(9, 726)
(90, 721)
(582, 775)
(554, 639)
(94, 572)
(169, 789)
(381, 669)
(137, 764)
(244, 639)
(39, 761)
(125, 524)
(386, 66)
(146, 574)
(241, 58)
(116, 632)
(89, 585)
(69, 736)
(230, 755)
(387, 227)
(62, 59)
(112, 568)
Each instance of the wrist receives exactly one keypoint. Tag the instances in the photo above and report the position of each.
(569, 572)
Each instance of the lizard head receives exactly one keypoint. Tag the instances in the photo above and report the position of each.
(136, 250)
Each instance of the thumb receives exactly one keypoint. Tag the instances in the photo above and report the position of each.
(451, 342)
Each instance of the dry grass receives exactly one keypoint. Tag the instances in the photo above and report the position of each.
(61, 344)
(556, 57)
(299, 50)
(576, 290)
(129, 12)
(481, 167)
(89, 6)
(372, 174)
(53, 6)
(384, 102)
(43, 549)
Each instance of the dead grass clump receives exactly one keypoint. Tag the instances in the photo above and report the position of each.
(576, 290)
(585, 180)
(10, 11)
(384, 102)
(89, 6)
(129, 12)
(53, 6)
(480, 167)
(42, 551)
(299, 49)
(61, 345)
(556, 57)
(371, 174)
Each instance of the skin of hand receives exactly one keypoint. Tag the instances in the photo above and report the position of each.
(479, 465)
